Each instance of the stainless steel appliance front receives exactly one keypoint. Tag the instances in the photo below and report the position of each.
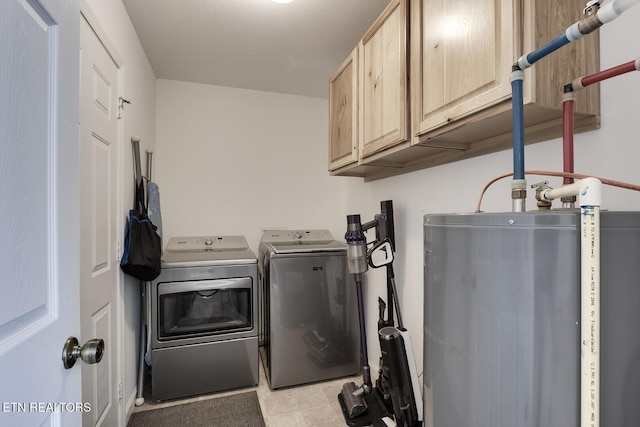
(203, 318)
(309, 323)
(502, 313)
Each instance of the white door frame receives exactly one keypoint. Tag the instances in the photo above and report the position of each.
(88, 15)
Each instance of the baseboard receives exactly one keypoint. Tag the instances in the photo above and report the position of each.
(131, 401)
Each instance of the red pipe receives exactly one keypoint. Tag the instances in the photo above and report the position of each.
(568, 105)
(567, 135)
(607, 74)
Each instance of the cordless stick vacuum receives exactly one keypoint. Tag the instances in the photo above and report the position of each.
(396, 395)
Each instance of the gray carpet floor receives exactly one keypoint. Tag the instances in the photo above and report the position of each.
(238, 410)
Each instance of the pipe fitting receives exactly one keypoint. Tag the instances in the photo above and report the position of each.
(589, 24)
(573, 33)
(542, 203)
(516, 74)
(590, 192)
(568, 202)
(568, 96)
(518, 195)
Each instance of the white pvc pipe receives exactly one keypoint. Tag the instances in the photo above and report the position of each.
(612, 10)
(589, 192)
(590, 200)
(564, 191)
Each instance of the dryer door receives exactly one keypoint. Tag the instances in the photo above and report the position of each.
(204, 307)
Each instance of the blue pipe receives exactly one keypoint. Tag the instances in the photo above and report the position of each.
(517, 102)
(543, 51)
(517, 99)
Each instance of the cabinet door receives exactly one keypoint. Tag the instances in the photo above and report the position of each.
(463, 52)
(384, 106)
(343, 114)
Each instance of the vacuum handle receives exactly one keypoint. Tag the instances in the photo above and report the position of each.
(380, 254)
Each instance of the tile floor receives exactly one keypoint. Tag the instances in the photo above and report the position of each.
(313, 405)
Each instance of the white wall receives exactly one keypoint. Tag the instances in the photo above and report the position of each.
(233, 161)
(138, 83)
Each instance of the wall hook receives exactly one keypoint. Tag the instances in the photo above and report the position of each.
(121, 102)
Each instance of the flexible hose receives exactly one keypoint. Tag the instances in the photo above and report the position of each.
(606, 181)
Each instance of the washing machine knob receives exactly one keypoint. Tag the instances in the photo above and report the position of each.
(299, 234)
(208, 241)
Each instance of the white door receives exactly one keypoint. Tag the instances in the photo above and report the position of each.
(39, 212)
(99, 268)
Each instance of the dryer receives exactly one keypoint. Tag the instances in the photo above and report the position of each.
(308, 321)
(203, 316)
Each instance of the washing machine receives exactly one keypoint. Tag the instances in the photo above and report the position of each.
(308, 309)
(203, 316)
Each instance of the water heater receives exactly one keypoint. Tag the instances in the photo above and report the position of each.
(502, 319)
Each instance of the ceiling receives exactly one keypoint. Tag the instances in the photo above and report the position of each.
(290, 48)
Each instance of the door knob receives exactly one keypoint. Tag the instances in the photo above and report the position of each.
(91, 352)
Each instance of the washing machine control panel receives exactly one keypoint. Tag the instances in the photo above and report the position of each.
(292, 236)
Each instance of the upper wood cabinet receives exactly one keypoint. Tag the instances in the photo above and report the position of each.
(463, 54)
(343, 114)
(461, 59)
(456, 103)
(384, 90)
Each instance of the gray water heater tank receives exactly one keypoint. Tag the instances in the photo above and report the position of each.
(502, 319)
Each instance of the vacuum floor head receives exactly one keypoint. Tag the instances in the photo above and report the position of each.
(355, 404)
